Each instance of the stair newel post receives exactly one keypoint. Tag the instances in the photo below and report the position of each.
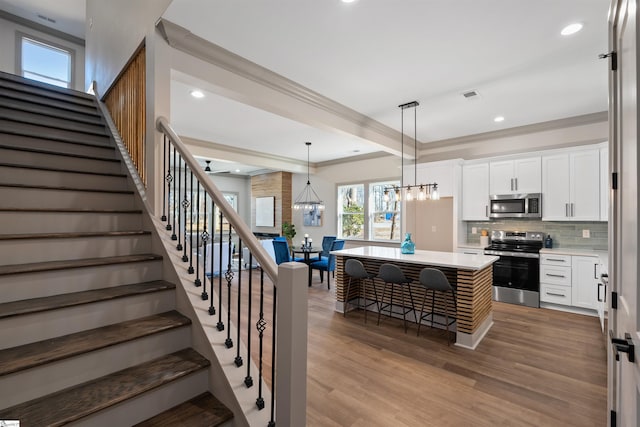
(248, 380)
(164, 167)
(228, 275)
(260, 326)
(179, 174)
(185, 205)
(173, 206)
(197, 281)
(220, 324)
(238, 360)
(190, 269)
(169, 179)
(205, 239)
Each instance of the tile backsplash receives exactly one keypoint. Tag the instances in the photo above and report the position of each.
(564, 234)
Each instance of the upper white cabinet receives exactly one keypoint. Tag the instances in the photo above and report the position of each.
(571, 186)
(475, 192)
(604, 183)
(515, 176)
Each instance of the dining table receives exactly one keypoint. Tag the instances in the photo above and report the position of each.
(307, 259)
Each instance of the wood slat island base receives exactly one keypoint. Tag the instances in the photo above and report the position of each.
(472, 275)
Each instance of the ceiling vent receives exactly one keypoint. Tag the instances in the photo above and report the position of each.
(471, 94)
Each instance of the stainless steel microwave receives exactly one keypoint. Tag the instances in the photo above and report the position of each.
(515, 206)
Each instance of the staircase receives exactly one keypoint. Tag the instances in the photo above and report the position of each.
(89, 332)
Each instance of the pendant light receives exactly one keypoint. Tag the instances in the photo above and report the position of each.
(308, 198)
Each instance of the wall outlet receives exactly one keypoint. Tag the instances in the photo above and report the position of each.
(474, 230)
(586, 234)
(433, 228)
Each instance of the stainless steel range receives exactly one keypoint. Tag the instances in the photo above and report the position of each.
(516, 275)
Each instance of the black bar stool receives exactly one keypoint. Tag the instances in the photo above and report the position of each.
(355, 270)
(391, 274)
(435, 281)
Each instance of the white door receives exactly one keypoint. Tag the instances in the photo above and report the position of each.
(502, 177)
(624, 376)
(584, 167)
(555, 187)
(475, 192)
(584, 278)
(528, 175)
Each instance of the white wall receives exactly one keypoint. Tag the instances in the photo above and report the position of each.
(8, 58)
(240, 185)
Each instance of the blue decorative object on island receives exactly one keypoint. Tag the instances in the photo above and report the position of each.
(407, 247)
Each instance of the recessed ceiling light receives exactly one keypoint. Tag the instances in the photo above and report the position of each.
(237, 170)
(348, 1)
(571, 29)
(197, 94)
(499, 119)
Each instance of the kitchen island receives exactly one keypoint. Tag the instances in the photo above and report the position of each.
(472, 275)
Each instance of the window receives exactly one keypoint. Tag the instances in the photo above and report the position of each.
(365, 213)
(44, 62)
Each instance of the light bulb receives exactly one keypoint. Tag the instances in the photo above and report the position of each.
(435, 195)
(409, 195)
(422, 195)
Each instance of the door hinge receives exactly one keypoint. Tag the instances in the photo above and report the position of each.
(614, 300)
(614, 180)
(613, 418)
(614, 59)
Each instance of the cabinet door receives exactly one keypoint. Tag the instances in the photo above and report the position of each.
(475, 192)
(555, 187)
(584, 282)
(604, 184)
(585, 185)
(528, 175)
(501, 177)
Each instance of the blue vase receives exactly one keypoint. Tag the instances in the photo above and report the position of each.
(407, 247)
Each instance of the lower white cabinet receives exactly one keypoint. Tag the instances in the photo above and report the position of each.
(469, 251)
(569, 280)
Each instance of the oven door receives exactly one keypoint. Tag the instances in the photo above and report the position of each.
(517, 280)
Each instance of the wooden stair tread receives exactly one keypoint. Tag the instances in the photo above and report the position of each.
(203, 410)
(57, 153)
(77, 402)
(34, 131)
(63, 105)
(16, 359)
(52, 169)
(22, 83)
(68, 264)
(74, 235)
(55, 302)
(84, 211)
(45, 110)
(62, 188)
(49, 122)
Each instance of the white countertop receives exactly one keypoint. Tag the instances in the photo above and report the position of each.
(438, 259)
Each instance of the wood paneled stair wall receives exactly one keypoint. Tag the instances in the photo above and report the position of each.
(89, 331)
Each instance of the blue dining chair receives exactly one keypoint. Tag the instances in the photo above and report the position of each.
(328, 264)
(282, 252)
(327, 241)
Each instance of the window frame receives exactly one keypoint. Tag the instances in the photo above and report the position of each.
(72, 53)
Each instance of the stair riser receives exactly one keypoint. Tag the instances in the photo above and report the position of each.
(29, 384)
(16, 287)
(54, 222)
(51, 121)
(19, 330)
(60, 162)
(57, 146)
(48, 110)
(33, 198)
(44, 131)
(40, 250)
(9, 175)
(151, 403)
(33, 90)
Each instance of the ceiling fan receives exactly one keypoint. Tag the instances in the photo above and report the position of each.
(209, 171)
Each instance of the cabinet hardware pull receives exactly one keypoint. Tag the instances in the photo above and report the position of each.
(599, 285)
(470, 253)
(556, 259)
(566, 209)
(516, 181)
(556, 275)
(555, 295)
(595, 273)
(486, 211)
(572, 210)
(512, 184)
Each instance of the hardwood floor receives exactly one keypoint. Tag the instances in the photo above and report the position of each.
(535, 367)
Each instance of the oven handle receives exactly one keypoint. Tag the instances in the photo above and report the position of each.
(512, 254)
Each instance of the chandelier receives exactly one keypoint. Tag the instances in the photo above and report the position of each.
(308, 198)
(415, 191)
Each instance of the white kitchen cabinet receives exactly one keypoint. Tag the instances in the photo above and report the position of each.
(571, 186)
(469, 251)
(584, 283)
(604, 183)
(515, 176)
(475, 192)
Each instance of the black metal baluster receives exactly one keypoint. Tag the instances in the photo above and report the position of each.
(260, 325)
(169, 179)
(190, 269)
(248, 380)
(164, 166)
(185, 205)
(272, 422)
(220, 324)
(238, 360)
(197, 282)
(228, 275)
(205, 239)
(173, 207)
(212, 308)
(179, 245)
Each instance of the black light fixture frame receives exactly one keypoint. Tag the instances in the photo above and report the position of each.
(308, 198)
